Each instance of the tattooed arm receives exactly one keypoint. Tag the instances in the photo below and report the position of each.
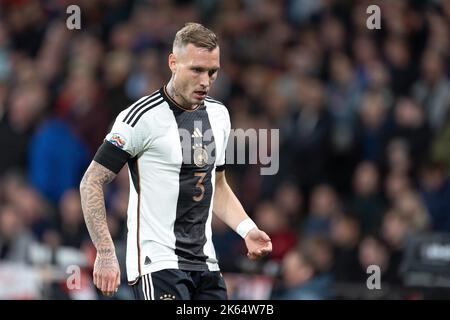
(106, 268)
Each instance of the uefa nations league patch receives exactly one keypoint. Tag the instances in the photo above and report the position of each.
(117, 140)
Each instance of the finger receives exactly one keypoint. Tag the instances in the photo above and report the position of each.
(105, 283)
(117, 282)
(267, 247)
(99, 281)
(253, 256)
(112, 285)
(107, 291)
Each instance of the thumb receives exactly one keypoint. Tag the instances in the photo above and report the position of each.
(264, 236)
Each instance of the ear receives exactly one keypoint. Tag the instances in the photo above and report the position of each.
(172, 61)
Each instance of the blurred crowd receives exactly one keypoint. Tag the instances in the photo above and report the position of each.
(363, 117)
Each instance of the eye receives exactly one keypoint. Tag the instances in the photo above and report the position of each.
(212, 72)
(197, 70)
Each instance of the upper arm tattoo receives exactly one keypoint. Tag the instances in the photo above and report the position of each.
(93, 202)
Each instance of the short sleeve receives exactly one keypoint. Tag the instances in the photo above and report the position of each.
(124, 136)
(121, 143)
(220, 164)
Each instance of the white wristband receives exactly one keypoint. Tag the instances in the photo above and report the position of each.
(245, 226)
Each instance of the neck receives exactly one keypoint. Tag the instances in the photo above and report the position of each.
(175, 96)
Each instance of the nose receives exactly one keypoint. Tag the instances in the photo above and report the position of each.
(205, 81)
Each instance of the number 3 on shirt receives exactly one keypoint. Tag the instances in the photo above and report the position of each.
(200, 185)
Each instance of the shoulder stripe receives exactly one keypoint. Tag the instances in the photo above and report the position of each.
(138, 104)
(144, 110)
(152, 101)
(209, 99)
(141, 100)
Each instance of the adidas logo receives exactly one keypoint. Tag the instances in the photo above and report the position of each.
(197, 133)
(147, 260)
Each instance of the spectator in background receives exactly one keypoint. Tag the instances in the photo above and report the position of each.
(345, 235)
(366, 54)
(435, 191)
(36, 213)
(394, 231)
(320, 250)
(343, 99)
(411, 207)
(299, 279)
(24, 111)
(367, 202)
(373, 115)
(401, 69)
(323, 209)
(81, 106)
(433, 89)
(398, 158)
(276, 224)
(51, 171)
(289, 200)
(440, 151)
(374, 251)
(395, 184)
(71, 225)
(379, 82)
(410, 126)
(309, 138)
(117, 68)
(15, 239)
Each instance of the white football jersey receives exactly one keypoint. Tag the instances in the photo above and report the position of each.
(172, 155)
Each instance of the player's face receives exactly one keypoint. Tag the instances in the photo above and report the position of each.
(194, 71)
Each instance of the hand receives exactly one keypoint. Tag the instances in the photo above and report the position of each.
(107, 272)
(258, 244)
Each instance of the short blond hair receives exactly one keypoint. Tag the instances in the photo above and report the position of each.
(196, 34)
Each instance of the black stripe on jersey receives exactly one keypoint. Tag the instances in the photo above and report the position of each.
(151, 103)
(132, 166)
(148, 107)
(111, 157)
(191, 215)
(209, 99)
(137, 105)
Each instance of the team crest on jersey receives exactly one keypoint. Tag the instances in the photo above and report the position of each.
(200, 154)
(117, 140)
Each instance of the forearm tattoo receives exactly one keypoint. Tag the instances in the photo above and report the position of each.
(93, 204)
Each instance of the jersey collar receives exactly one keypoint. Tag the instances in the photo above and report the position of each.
(173, 104)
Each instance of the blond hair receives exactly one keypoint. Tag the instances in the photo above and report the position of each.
(196, 34)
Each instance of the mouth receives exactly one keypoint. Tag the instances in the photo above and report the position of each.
(200, 94)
